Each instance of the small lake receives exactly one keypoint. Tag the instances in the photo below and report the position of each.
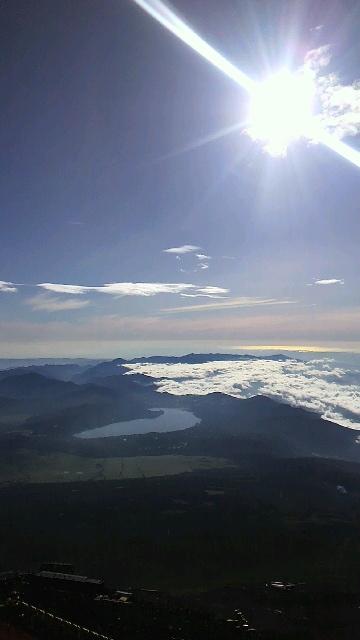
(168, 420)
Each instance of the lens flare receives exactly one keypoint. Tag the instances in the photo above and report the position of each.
(281, 107)
(281, 110)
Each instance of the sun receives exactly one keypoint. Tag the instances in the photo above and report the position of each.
(282, 110)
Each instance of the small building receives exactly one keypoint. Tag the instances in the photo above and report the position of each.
(69, 582)
(57, 567)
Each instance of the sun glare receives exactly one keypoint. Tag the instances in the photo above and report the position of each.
(281, 110)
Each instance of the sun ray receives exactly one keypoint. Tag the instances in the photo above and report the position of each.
(340, 147)
(165, 16)
(201, 142)
(168, 19)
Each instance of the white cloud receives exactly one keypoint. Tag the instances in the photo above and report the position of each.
(131, 288)
(185, 248)
(230, 303)
(318, 385)
(329, 281)
(72, 289)
(318, 27)
(143, 288)
(339, 112)
(45, 302)
(201, 295)
(7, 287)
(190, 251)
(210, 289)
(316, 59)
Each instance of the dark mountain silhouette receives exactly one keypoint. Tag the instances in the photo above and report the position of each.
(101, 370)
(57, 371)
(200, 358)
(290, 430)
(29, 385)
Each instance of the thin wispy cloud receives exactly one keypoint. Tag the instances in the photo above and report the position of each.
(196, 260)
(45, 302)
(330, 281)
(185, 248)
(232, 303)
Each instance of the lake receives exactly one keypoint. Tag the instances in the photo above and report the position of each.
(168, 420)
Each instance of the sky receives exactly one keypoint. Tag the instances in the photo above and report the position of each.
(120, 233)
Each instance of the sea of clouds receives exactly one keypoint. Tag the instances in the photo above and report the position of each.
(318, 385)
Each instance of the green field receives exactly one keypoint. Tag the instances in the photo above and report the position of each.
(31, 467)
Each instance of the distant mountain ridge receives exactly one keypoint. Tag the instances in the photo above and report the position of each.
(84, 371)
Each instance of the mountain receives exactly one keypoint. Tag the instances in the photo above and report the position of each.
(102, 370)
(228, 426)
(17, 363)
(201, 358)
(33, 385)
(279, 427)
(63, 372)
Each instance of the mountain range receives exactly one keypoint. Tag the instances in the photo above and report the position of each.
(43, 406)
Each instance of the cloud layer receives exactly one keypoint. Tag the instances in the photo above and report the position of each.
(318, 385)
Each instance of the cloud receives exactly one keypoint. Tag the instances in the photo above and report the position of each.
(339, 112)
(72, 289)
(44, 302)
(316, 59)
(120, 289)
(319, 27)
(329, 281)
(185, 248)
(213, 290)
(232, 303)
(7, 287)
(143, 288)
(318, 385)
(201, 259)
(201, 295)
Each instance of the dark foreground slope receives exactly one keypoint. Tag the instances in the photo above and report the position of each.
(216, 539)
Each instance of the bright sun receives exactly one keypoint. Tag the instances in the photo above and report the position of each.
(281, 110)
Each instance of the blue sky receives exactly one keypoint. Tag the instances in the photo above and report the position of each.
(100, 106)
